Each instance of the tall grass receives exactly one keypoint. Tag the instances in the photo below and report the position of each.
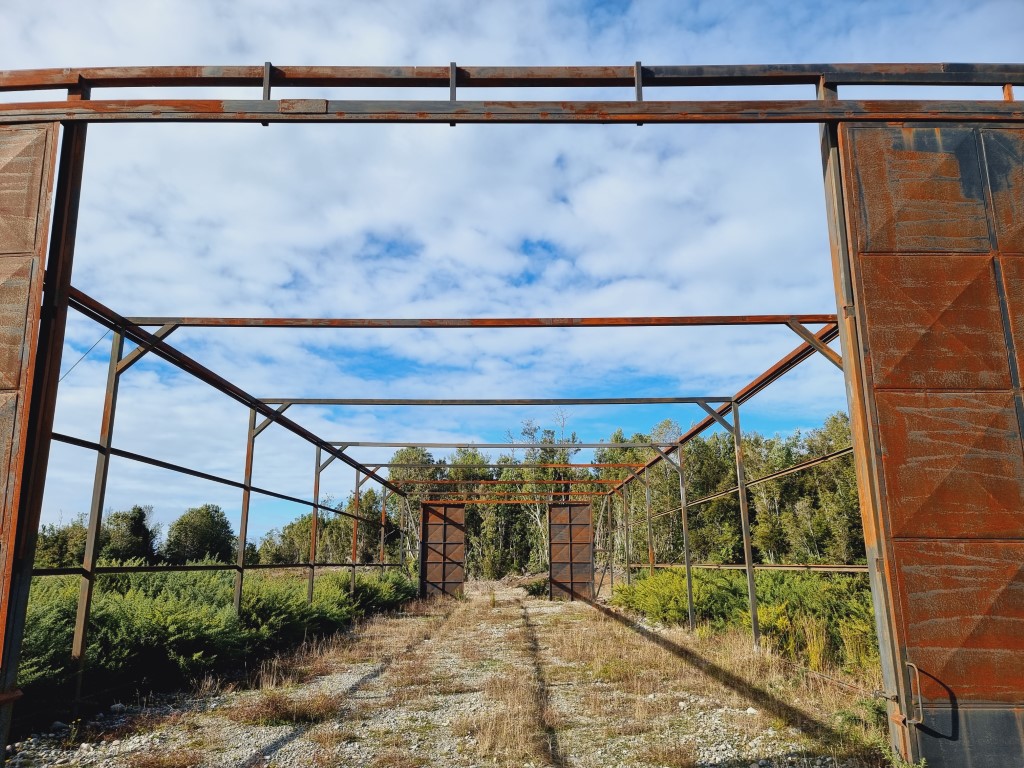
(822, 620)
(153, 631)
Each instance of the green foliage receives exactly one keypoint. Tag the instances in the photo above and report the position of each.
(129, 536)
(821, 619)
(202, 532)
(61, 546)
(156, 630)
(536, 588)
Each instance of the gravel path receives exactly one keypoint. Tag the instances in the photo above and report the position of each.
(495, 679)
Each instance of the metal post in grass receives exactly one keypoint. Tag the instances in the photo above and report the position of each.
(243, 523)
(313, 529)
(748, 553)
(99, 491)
(650, 524)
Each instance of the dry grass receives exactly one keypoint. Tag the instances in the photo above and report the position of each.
(277, 708)
(678, 755)
(513, 729)
(179, 758)
(396, 758)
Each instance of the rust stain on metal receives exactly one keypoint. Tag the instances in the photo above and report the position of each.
(952, 460)
(965, 618)
(933, 322)
(935, 228)
(442, 548)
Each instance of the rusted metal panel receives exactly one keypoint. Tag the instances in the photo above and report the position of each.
(938, 300)
(919, 190)
(964, 618)
(953, 464)
(571, 551)
(442, 548)
(934, 322)
(1004, 162)
(26, 179)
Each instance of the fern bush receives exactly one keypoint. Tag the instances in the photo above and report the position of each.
(151, 631)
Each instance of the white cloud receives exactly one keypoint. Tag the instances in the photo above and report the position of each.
(432, 221)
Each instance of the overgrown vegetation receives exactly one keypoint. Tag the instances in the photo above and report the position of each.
(152, 631)
(822, 620)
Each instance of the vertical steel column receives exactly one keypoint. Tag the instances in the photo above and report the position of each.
(748, 552)
(628, 537)
(402, 522)
(243, 524)
(893, 680)
(355, 536)
(99, 493)
(650, 525)
(684, 512)
(314, 528)
(383, 524)
(609, 512)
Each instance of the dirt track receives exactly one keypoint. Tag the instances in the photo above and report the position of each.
(497, 679)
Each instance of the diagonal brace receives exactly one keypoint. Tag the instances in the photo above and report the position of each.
(801, 330)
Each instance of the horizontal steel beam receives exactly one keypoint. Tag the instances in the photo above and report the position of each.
(513, 77)
(106, 317)
(773, 374)
(777, 475)
(454, 112)
(551, 446)
(496, 401)
(138, 457)
(479, 322)
(762, 567)
(115, 569)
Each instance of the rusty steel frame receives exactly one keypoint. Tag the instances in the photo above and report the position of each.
(55, 295)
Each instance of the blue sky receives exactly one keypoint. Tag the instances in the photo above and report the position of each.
(432, 221)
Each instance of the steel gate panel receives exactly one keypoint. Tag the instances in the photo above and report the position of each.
(571, 551)
(26, 181)
(442, 548)
(934, 218)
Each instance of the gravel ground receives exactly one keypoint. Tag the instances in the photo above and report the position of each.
(495, 679)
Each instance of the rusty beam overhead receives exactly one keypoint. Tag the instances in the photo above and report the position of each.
(481, 322)
(517, 77)
(412, 111)
(776, 372)
(106, 317)
(495, 401)
(551, 446)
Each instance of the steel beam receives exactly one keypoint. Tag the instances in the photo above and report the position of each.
(110, 319)
(748, 551)
(499, 112)
(440, 76)
(99, 493)
(243, 523)
(481, 322)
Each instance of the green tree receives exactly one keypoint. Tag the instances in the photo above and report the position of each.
(61, 546)
(202, 532)
(129, 535)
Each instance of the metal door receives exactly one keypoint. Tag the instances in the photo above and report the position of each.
(571, 550)
(442, 548)
(931, 282)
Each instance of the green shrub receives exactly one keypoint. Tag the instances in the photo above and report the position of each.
(819, 619)
(158, 630)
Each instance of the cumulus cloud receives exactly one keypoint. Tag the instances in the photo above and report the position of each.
(433, 221)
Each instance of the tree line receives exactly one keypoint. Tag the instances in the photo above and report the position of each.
(807, 517)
